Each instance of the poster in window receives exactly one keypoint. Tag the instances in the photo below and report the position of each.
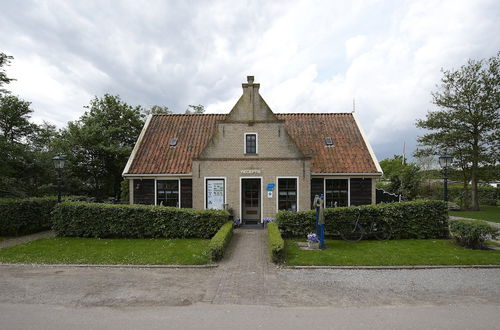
(215, 194)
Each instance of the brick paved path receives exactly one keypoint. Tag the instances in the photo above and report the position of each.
(246, 275)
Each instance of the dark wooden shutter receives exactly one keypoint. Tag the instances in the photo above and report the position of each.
(317, 188)
(144, 191)
(361, 191)
(186, 193)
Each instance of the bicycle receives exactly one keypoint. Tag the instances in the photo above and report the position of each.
(354, 232)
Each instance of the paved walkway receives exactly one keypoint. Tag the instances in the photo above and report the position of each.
(27, 238)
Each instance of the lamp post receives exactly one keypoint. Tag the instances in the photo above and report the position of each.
(445, 163)
(58, 162)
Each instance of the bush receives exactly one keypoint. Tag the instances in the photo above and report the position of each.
(417, 219)
(81, 219)
(487, 195)
(472, 234)
(275, 243)
(219, 242)
(25, 216)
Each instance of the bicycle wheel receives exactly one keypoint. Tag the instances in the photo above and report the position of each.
(351, 232)
(382, 230)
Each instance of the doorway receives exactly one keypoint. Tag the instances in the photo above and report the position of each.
(250, 201)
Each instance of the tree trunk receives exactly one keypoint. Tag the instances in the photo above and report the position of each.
(475, 200)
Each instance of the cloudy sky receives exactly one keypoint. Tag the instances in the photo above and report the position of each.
(309, 56)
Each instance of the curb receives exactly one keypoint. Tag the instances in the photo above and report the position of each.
(393, 267)
(113, 266)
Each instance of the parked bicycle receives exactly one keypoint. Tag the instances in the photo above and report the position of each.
(354, 232)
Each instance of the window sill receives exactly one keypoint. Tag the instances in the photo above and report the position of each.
(251, 154)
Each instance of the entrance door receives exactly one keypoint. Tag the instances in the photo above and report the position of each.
(250, 199)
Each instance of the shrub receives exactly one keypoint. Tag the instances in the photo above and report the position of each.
(417, 219)
(472, 234)
(275, 243)
(219, 242)
(25, 216)
(81, 219)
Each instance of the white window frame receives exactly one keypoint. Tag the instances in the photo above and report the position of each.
(168, 179)
(277, 191)
(261, 195)
(205, 188)
(256, 143)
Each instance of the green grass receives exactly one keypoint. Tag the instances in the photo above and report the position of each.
(390, 253)
(488, 213)
(65, 250)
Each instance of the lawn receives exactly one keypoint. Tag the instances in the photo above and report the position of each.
(488, 213)
(390, 253)
(65, 250)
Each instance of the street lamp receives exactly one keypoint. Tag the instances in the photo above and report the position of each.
(445, 163)
(58, 162)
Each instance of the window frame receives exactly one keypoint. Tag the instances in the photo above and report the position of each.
(348, 190)
(297, 191)
(256, 143)
(205, 179)
(178, 190)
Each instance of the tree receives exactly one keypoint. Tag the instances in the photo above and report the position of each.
(4, 61)
(14, 118)
(405, 178)
(99, 143)
(158, 110)
(467, 122)
(195, 109)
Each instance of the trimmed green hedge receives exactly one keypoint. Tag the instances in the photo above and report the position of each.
(275, 242)
(81, 219)
(25, 216)
(219, 242)
(418, 219)
(472, 234)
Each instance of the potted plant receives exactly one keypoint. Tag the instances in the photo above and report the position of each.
(312, 241)
(267, 220)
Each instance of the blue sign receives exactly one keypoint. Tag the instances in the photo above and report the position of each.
(270, 186)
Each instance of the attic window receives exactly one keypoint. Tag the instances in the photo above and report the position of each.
(328, 142)
(173, 142)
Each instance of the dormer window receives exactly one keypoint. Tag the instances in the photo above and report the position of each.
(328, 142)
(251, 143)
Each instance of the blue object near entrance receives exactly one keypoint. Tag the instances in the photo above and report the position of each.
(319, 203)
(270, 186)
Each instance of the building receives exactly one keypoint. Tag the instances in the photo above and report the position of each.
(252, 161)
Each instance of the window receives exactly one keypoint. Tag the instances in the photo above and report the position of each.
(328, 142)
(215, 194)
(167, 193)
(173, 142)
(287, 194)
(336, 192)
(251, 143)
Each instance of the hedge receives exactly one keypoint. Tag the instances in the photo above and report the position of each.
(81, 219)
(219, 242)
(418, 219)
(472, 234)
(275, 242)
(26, 215)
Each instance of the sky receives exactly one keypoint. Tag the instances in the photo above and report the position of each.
(308, 56)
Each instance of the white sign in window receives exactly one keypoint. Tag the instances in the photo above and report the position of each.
(215, 194)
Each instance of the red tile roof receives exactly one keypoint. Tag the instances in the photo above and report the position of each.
(349, 154)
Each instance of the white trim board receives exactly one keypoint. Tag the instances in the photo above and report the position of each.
(137, 145)
(363, 135)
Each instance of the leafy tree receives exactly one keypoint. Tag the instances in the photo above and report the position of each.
(467, 122)
(14, 118)
(4, 61)
(99, 143)
(195, 109)
(405, 178)
(158, 110)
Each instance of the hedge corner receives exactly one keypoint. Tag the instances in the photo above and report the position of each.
(276, 243)
(220, 241)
